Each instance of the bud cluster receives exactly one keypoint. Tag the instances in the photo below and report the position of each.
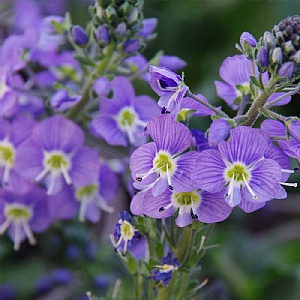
(278, 51)
(119, 21)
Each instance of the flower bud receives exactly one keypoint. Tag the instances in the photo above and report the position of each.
(286, 70)
(277, 56)
(148, 27)
(102, 34)
(262, 59)
(79, 35)
(132, 46)
(269, 40)
(121, 29)
(248, 38)
(289, 48)
(296, 57)
(133, 16)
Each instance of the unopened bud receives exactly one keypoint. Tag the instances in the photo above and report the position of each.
(277, 56)
(102, 34)
(269, 40)
(79, 35)
(286, 70)
(262, 59)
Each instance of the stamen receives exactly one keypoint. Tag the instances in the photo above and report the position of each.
(28, 232)
(169, 177)
(5, 225)
(254, 196)
(42, 174)
(161, 209)
(66, 175)
(289, 184)
(230, 189)
(82, 209)
(101, 203)
(140, 177)
(17, 239)
(296, 170)
(6, 175)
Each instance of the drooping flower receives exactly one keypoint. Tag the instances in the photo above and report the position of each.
(23, 214)
(125, 234)
(168, 85)
(192, 205)
(164, 272)
(122, 118)
(239, 164)
(162, 162)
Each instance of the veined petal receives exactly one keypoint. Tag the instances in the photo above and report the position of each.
(246, 145)
(137, 204)
(249, 207)
(169, 134)
(213, 207)
(266, 175)
(183, 219)
(273, 127)
(108, 129)
(152, 205)
(227, 92)
(159, 187)
(208, 172)
(141, 162)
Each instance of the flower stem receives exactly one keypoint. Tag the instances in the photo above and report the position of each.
(218, 112)
(138, 281)
(254, 110)
(99, 71)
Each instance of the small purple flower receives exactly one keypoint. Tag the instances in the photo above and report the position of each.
(62, 100)
(149, 26)
(23, 214)
(54, 153)
(164, 272)
(162, 163)
(125, 234)
(122, 118)
(239, 164)
(192, 205)
(168, 85)
(79, 35)
(101, 86)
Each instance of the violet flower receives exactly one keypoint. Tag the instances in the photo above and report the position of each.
(162, 162)
(122, 118)
(240, 164)
(168, 85)
(23, 214)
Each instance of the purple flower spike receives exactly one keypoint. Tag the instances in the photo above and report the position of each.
(161, 162)
(168, 85)
(240, 164)
(165, 271)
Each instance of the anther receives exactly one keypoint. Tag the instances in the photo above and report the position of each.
(171, 188)
(296, 170)
(161, 209)
(138, 179)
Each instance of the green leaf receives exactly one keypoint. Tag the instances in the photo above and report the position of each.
(255, 81)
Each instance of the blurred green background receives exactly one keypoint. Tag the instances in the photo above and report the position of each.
(258, 256)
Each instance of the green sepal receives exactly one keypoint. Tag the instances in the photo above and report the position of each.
(255, 81)
(84, 61)
(197, 226)
(59, 27)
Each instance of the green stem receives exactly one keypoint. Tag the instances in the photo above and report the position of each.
(165, 292)
(138, 281)
(99, 71)
(254, 110)
(218, 112)
(184, 280)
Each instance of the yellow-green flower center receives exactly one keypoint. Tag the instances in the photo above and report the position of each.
(56, 161)
(127, 230)
(163, 162)
(127, 117)
(186, 198)
(18, 212)
(86, 191)
(7, 154)
(239, 172)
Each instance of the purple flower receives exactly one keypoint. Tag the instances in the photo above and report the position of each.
(23, 214)
(286, 70)
(192, 205)
(54, 153)
(165, 271)
(102, 34)
(168, 85)
(12, 135)
(132, 46)
(101, 86)
(236, 72)
(62, 100)
(162, 162)
(239, 164)
(125, 234)
(172, 62)
(122, 118)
